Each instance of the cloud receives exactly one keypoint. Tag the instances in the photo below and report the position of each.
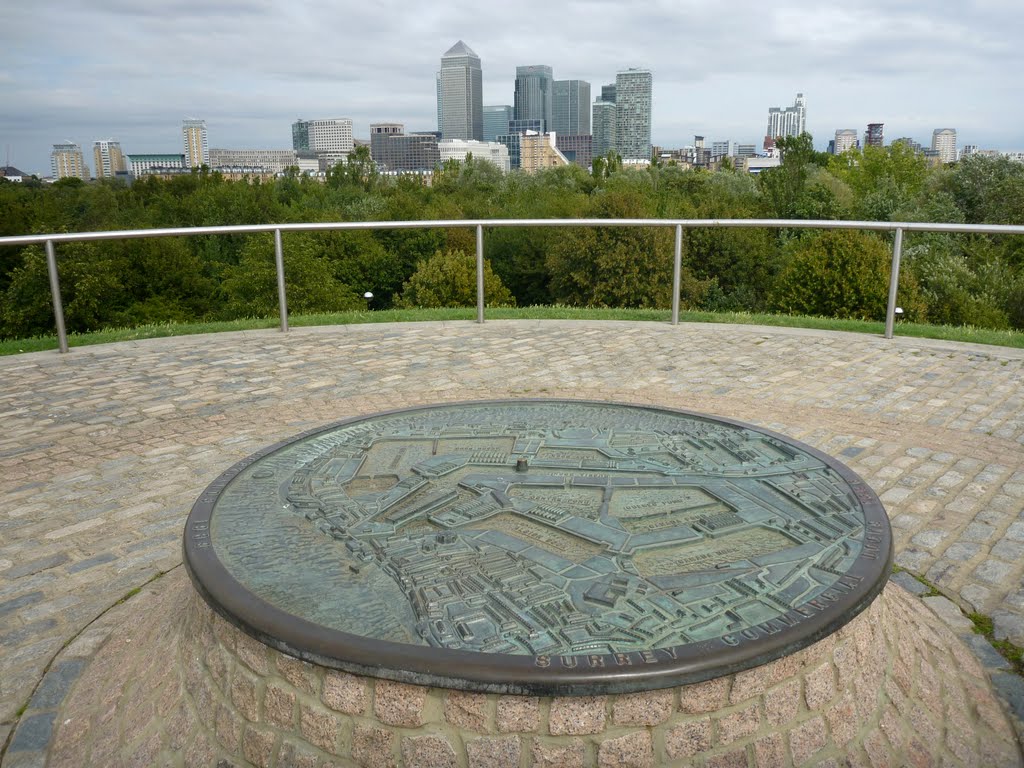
(132, 70)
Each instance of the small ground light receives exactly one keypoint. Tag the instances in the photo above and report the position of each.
(898, 312)
(369, 297)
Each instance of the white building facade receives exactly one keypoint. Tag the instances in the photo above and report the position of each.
(67, 161)
(846, 139)
(268, 160)
(491, 151)
(787, 121)
(944, 142)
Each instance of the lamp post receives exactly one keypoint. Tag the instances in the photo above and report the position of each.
(369, 297)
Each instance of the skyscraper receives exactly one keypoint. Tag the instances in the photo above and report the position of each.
(608, 93)
(787, 121)
(604, 127)
(197, 146)
(67, 160)
(108, 159)
(944, 142)
(496, 120)
(874, 136)
(533, 93)
(570, 107)
(846, 138)
(633, 114)
(460, 84)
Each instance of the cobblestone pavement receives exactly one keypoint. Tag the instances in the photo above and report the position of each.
(103, 450)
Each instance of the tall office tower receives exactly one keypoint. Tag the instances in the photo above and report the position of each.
(496, 120)
(197, 146)
(328, 136)
(846, 138)
(608, 93)
(398, 153)
(67, 161)
(108, 159)
(379, 133)
(944, 142)
(874, 137)
(787, 121)
(570, 107)
(603, 113)
(534, 89)
(461, 113)
(633, 114)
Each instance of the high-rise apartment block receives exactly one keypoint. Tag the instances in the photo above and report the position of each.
(874, 136)
(633, 114)
(846, 139)
(67, 161)
(108, 160)
(328, 136)
(197, 145)
(944, 143)
(496, 120)
(787, 121)
(538, 151)
(570, 107)
(603, 123)
(460, 94)
(533, 94)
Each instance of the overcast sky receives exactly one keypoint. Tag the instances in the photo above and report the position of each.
(131, 70)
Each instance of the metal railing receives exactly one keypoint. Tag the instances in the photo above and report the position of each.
(50, 241)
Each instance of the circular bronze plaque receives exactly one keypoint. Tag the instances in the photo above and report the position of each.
(539, 546)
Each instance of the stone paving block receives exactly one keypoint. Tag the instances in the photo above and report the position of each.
(950, 613)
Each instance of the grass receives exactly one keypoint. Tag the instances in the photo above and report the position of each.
(916, 330)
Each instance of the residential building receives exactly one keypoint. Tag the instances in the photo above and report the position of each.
(67, 161)
(197, 145)
(538, 151)
(146, 165)
(746, 150)
(787, 121)
(578, 148)
(326, 136)
(944, 142)
(491, 151)
(874, 136)
(460, 94)
(570, 107)
(633, 114)
(269, 161)
(757, 164)
(496, 120)
(533, 94)
(603, 126)
(846, 139)
(108, 160)
(10, 173)
(909, 142)
(723, 149)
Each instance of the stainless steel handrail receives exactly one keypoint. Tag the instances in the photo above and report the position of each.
(899, 228)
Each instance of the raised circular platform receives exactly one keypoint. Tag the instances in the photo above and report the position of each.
(539, 547)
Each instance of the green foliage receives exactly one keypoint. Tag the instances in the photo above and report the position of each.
(448, 279)
(250, 289)
(845, 274)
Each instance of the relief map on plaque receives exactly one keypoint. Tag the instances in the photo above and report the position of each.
(539, 528)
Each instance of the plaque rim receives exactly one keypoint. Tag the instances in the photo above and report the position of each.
(526, 674)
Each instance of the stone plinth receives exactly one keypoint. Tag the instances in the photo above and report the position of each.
(179, 685)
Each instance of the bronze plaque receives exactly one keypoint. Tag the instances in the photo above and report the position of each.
(539, 546)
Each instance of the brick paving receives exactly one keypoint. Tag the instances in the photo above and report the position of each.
(103, 450)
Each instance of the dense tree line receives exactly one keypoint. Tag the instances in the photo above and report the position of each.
(955, 279)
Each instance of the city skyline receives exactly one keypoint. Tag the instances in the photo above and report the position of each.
(913, 68)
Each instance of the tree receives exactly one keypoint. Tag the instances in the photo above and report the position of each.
(843, 274)
(251, 287)
(448, 279)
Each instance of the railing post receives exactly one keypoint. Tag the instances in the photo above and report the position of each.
(58, 306)
(479, 273)
(677, 274)
(282, 298)
(894, 281)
